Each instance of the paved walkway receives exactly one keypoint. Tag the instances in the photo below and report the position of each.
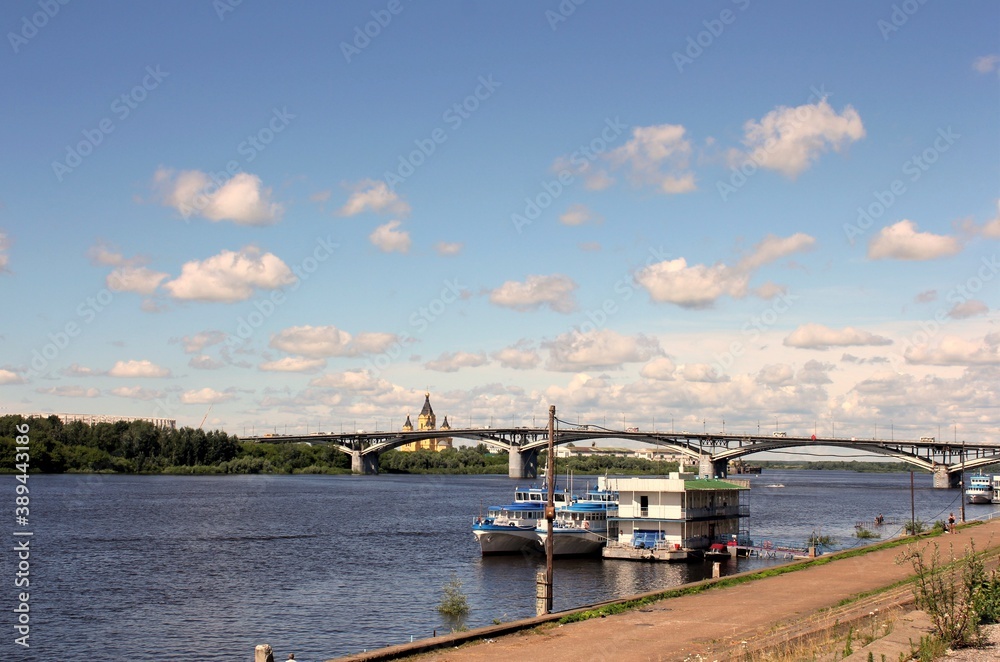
(720, 623)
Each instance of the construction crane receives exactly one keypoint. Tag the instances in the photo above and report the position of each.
(205, 417)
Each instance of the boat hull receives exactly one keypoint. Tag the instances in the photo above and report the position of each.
(495, 540)
(566, 542)
(980, 498)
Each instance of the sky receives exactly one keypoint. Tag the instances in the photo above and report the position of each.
(727, 215)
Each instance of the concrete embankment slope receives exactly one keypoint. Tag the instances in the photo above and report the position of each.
(717, 624)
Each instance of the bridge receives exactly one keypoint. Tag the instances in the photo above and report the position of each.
(713, 452)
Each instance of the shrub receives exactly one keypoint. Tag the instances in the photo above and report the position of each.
(453, 603)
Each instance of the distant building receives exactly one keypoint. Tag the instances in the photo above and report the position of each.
(93, 419)
(426, 421)
(653, 454)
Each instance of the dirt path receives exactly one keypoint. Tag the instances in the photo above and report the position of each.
(720, 623)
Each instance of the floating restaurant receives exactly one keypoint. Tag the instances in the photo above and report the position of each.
(678, 517)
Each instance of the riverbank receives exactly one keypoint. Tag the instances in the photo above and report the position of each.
(739, 617)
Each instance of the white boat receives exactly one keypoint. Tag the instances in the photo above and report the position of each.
(980, 489)
(582, 528)
(511, 529)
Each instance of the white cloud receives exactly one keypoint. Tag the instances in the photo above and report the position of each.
(390, 240)
(230, 276)
(702, 373)
(205, 362)
(657, 156)
(902, 242)
(600, 349)
(77, 370)
(241, 199)
(4, 257)
(815, 372)
(579, 215)
(521, 356)
(375, 196)
(452, 362)
(954, 351)
(555, 291)
(320, 342)
(790, 140)
(136, 393)
(967, 309)
(201, 340)
(448, 248)
(294, 364)
(817, 336)
(661, 369)
(775, 374)
(9, 377)
(986, 63)
(699, 285)
(204, 396)
(70, 391)
(103, 254)
(926, 296)
(137, 369)
(130, 278)
(354, 381)
(991, 230)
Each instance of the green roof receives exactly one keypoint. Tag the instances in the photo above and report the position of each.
(711, 484)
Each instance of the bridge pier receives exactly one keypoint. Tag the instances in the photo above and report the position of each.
(710, 468)
(364, 464)
(522, 464)
(944, 480)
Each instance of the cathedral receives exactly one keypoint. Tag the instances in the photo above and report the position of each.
(426, 421)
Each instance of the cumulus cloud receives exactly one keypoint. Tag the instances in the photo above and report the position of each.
(241, 199)
(205, 396)
(230, 276)
(201, 340)
(702, 373)
(320, 342)
(103, 254)
(985, 64)
(775, 374)
(700, 285)
(901, 241)
(661, 369)
(521, 356)
(555, 292)
(136, 393)
(4, 257)
(790, 140)
(77, 370)
(70, 391)
(817, 336)
(390, 240)
(142, 368)
(130, 278)
(205, 362)
(954, 351)
(294, 364)
(579, 215)
(815, 372)
(600, 349)
(453, 362)
(374, 196)
(967, 309)
(657, 156)
(990, 230)
(926, 296)
(10, 377)
(850, 358)
(448, 248)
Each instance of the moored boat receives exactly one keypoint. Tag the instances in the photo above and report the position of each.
(510, 529)
(582, 528)
(980, 489)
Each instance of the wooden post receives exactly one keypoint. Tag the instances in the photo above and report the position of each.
(543, 597)
(716, 570)
(263, 653)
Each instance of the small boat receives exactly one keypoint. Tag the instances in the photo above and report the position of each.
(717, 552)
(775, 485)
(980, 489)
(510, 529)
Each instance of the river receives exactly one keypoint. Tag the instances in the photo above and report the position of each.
(146, 568)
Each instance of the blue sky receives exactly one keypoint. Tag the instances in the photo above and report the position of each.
(737, 211)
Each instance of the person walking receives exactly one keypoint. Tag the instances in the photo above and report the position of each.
(951, 523)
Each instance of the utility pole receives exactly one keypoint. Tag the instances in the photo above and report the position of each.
(913, 518)
(961, 484)
(543, 592)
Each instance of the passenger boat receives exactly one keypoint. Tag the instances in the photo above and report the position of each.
(980, 489)
(511, 529)
(582, 528)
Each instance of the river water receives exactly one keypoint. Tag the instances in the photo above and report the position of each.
(145, 568)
